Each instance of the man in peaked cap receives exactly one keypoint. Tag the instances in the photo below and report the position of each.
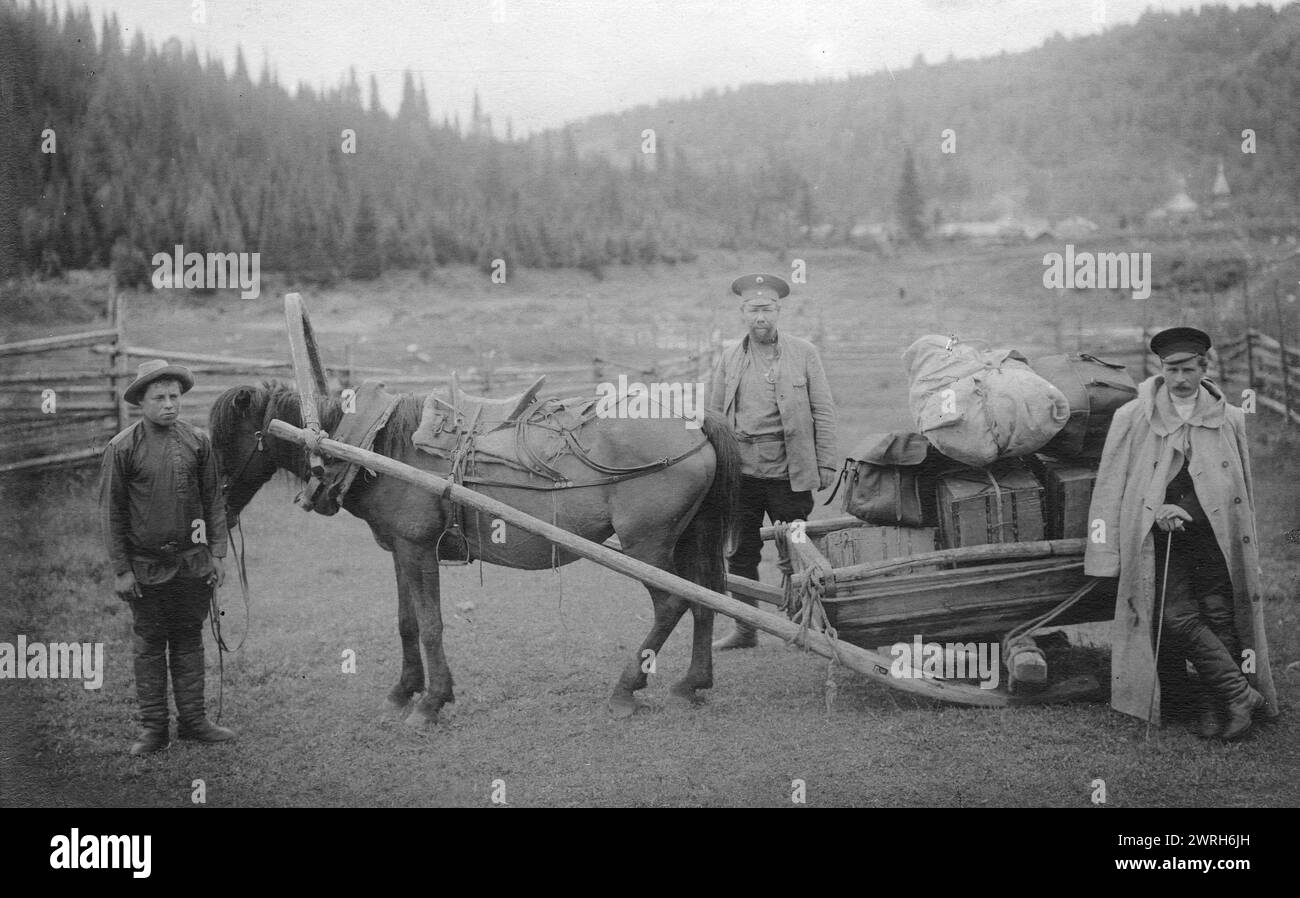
(1174, 488)
(164, 524)
(772, 390)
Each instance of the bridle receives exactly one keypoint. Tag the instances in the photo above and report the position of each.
(215, 616)
(260, 447)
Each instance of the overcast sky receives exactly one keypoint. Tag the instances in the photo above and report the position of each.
(543, 62)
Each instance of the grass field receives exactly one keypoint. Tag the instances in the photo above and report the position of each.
(535, 654)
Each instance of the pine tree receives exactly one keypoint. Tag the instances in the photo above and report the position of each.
(366, 264)
(909, 205)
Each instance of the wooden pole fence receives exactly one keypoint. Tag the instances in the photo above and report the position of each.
(64, 458)
(46, 344)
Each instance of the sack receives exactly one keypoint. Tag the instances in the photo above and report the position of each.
(1095, 390)
(882, 481)
(980, 406)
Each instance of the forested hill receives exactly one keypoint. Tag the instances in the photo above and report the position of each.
(1101, 126)
(111, 153)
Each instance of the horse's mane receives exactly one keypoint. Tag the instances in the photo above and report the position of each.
(274, 398)
(395, 438)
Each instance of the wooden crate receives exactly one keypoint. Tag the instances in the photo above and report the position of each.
(969, 506)
(862, 545)
(1068, 490)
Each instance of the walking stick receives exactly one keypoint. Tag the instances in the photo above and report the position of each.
(1160, 626)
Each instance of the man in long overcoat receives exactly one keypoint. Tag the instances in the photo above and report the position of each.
(1175, 483)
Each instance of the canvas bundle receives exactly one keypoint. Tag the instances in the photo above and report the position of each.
(1095, 389)
(979, 406)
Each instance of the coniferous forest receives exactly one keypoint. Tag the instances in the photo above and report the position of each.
(113, 152)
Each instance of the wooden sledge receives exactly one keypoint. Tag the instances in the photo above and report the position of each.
(945, 596)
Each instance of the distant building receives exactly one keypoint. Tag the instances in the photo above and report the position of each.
(1181, 209)
(874, 235)
(1222, 196)
(1074, 227)
(1004, 230)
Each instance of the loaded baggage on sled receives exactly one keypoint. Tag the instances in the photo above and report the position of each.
(973, 527)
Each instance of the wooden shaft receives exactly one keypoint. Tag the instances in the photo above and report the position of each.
(870, 664)
(753, 589)
(822, 527)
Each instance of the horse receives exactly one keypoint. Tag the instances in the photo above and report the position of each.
(674, 514)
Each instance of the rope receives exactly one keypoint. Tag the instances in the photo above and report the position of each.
(997, 501)
(804, 606)
(1020, 637)
(214, 622)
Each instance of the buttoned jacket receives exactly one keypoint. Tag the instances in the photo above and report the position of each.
(803, 397)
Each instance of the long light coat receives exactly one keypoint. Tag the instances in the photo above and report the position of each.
(1144, 451)
(803, 397)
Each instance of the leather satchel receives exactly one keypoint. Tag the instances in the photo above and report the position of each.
(887, 482)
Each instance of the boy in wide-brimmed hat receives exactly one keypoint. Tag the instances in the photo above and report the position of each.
(165, 529)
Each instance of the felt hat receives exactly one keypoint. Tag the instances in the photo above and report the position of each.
(1178, 344)
(760, 286)
(156, 369)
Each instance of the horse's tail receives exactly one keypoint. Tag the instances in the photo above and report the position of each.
(702, 546)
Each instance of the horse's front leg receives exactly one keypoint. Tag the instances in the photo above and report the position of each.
(408, 627)
(421, 567)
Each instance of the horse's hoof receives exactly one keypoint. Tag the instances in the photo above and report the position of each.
(684, 696)
(422, 716)
(418, 721)
(623, 707)
(397, 700)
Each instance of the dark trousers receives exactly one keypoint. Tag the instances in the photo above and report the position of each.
(1199, 620)
(171, 615)
(758, 497)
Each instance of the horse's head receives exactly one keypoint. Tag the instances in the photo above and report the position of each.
(247, 455)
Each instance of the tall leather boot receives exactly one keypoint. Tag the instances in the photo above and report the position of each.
(1178, 699)
(742, 635)
(151, 693)
(1224, 680)
(187, 683)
